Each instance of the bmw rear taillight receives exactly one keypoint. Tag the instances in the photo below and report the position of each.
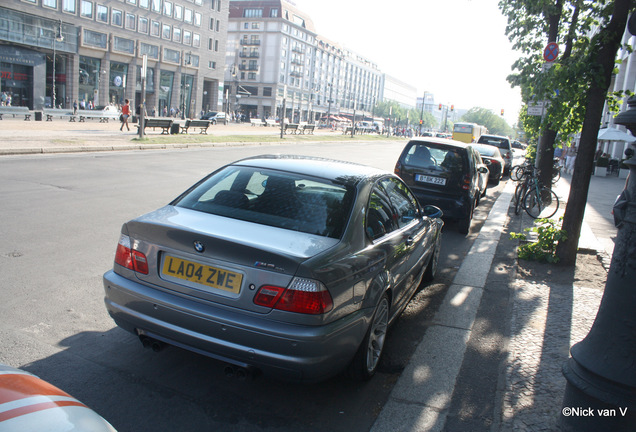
(304, 296)
(128, 258)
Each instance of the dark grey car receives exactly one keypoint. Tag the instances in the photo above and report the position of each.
(290, 265)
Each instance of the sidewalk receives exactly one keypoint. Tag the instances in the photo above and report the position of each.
(546, 319)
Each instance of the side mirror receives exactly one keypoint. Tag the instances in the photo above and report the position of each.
(432, 211)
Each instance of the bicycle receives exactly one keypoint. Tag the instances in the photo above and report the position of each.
(539, 201)
(523, 173)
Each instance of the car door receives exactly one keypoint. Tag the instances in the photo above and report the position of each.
(413, 238)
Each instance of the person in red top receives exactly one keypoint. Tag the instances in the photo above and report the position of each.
(125, 113)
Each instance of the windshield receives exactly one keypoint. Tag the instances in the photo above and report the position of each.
(499, 142)
(280, 199)
(487, 150)
(463, 128)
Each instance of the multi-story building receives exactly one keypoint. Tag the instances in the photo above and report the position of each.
(275, 57)
(55, 52)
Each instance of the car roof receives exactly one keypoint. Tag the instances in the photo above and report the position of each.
(442, 141)
(496, 136)
(347, 173)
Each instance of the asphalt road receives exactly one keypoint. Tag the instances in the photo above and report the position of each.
(59, 224)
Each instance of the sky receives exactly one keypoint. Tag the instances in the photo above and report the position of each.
(455, 49)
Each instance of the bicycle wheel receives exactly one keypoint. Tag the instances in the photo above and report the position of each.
(516, 172)
(519, 193)
(556, 175)
(541, 204)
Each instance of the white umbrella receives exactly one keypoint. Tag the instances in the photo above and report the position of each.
(611, 134)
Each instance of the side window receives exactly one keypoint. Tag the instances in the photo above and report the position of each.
(402, 199)
(380, 216)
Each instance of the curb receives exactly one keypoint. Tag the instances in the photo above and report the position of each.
(421, 398)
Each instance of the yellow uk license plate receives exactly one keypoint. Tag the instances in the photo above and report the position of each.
(202, 274)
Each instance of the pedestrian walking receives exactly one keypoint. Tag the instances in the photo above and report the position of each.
(125, 113)
(75, 107)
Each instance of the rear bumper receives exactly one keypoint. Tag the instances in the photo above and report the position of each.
(453, 207)
(286, 351)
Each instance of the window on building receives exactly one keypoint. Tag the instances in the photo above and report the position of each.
(166, 31)
(256, 26)
(252, 12)
(196, 40)
(167, 8)
(144, 4)
(197, 19)
(171, 56)
(86, 9)
(156, 6)
(273, 12)
(178, 12)
(124, 45)
(216, 46)
(49, 4)
(101, 14)
(217, 25)
(131, 21)
(152, 51)
(187, 37)
(142, 26)
(187, 17)
(210, 44)
(176, 34)
(116, 17)
(95, 39)
(267, 91)
(155, 28)
(218, 5)
(132, 1)
(212, 65)
(69, 6)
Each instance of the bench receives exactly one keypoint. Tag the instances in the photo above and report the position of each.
(102, 115)
(291, 127)
(19, 110)
(201, 124)
(52, 112)
(347, 130)
(163, 123)
(257, 122)
(271, 122)
(308, 128)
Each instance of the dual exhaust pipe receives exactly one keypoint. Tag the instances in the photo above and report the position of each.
(231, 371)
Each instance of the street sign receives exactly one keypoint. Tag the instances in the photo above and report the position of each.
(551, 52)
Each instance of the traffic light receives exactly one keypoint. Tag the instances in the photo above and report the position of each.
(421, 121)
(502, 111)
(452, 107)
(440, 107)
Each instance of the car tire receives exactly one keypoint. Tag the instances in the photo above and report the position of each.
(433, 264)
(365, 362)
(213, 122)
(464, 224)
(495, 182)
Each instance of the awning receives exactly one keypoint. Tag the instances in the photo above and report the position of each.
(611, 134)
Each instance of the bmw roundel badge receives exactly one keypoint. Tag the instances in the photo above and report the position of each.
(198, 246)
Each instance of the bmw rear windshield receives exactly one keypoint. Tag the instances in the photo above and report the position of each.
(275, 198)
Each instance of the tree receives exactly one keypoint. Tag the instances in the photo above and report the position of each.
(569, 84)
(485, 117)
(601, 55)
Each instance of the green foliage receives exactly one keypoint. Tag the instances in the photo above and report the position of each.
(483, 116)
(566, 83)
(549, 233)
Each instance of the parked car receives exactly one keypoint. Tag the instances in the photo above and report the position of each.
(444, 173)
(28, 403)
(504, 145)
(491, 156)
(290, 265)
(215, 117)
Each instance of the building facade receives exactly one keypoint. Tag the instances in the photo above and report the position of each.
(278, 66)
(56, 52)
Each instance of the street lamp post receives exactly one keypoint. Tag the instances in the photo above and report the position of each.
(601, 372)
(59, 37)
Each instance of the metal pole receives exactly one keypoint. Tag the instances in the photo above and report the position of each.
(600, 392)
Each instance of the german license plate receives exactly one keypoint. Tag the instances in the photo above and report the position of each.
(202, 274)
(430, 179)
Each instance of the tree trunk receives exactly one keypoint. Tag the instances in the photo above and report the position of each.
(607, 43)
